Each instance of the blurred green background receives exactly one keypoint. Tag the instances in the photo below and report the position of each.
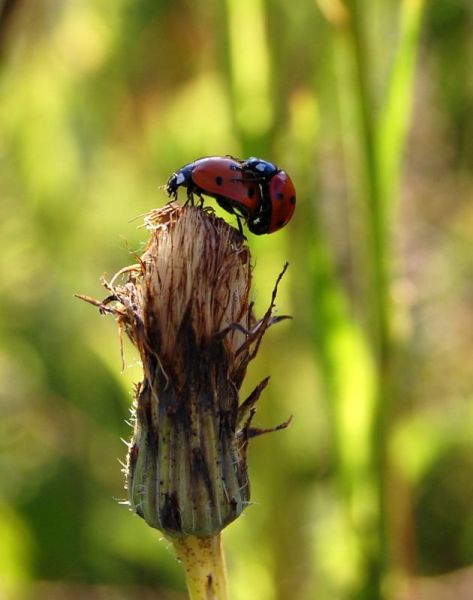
(368, 106)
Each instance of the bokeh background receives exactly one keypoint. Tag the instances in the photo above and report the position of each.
(368, 106)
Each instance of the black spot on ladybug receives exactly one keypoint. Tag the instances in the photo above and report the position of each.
(292, 200)
(251, 192)
(219, 180)
(280, 196)
(280, 224)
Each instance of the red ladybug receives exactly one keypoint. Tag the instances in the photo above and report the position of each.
(254, 189)
(221, 178)
(278, 192)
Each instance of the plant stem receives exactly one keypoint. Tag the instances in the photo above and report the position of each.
(204, 565)
(376, 210)
(378, 273)
(396, 112)
(381, 146)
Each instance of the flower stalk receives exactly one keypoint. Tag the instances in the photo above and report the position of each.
(204, 565)
(185, 306)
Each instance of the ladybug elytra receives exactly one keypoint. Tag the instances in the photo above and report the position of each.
(221, 178)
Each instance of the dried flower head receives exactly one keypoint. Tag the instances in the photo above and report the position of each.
(186, 308)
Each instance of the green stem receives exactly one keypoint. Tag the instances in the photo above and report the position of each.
(396, 113)
(382, 143)
(250, 73)
(374, 150)
(204, 565)
(375, 213)
(377, 558)
(375, 272)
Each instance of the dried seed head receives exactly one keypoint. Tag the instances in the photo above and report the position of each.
(186, 308)
(196, 271)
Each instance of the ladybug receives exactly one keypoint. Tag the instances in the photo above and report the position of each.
(278, 193)
(255, 190)
(221, 178)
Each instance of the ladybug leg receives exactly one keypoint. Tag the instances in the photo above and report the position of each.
(239, 219)
(230, 209)
(240, 226)
(190, 198)
(193, 191)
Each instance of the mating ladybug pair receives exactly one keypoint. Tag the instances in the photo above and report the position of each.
(254, 189)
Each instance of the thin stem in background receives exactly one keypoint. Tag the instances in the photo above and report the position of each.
(249, 73)
(396, 113)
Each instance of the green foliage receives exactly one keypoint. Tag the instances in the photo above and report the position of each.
(368, 107)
